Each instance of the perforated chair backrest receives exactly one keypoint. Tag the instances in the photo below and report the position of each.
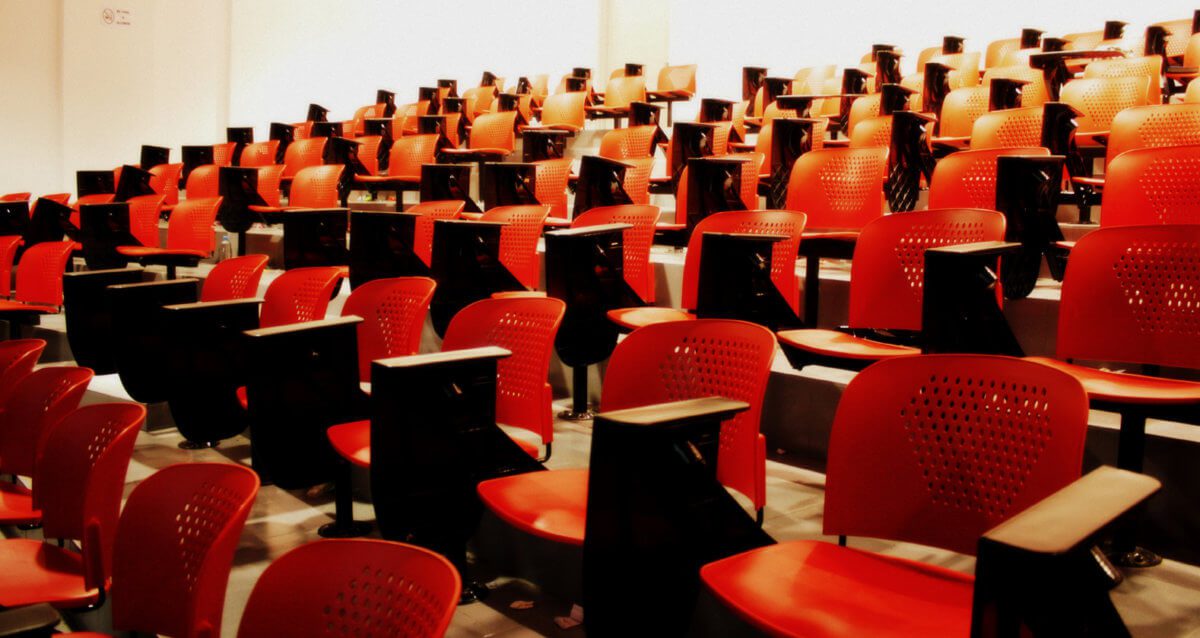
(164, 179)
(1100, 99)
(1179, 33)
(79, 478)
(628, 143)
(191, 225)
(8, 254)
(360, 586)
(17, 358)
(838, 188)
(967, 179)
(961, 108)
(678, 78)
(1143, 281)
(38, 400)
(300, 294)
(526, 326)
(636, 241)
(40, 272)
(269, 178)
(423, 232)
(174, 548)
(368, 152)
(565, 110)
(519, 239)
(887, 276)
(204, 181)
(494, 130)
(393, 312)
(752, 222)
(997, 50)
(1151, 126)
(144, 211)
(550, 184)
(938, 449)
(862, 108)
(259, 154)
(1148, 67)
(223, 154)
(303, 153)
(691, 359)
(1034, 92)
(234, 278)
(316, 186)
(410, 152)
(1153, 186)
(1008, 127)
(872, 132)
(747, 181)
(620, 92)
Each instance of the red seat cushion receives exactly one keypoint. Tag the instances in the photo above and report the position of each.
(811, 588)
(551, 505)
(16, 505)
(16, 306)
(1120, 387)
(832, 343)
(634, 318)
(147, 251)
(243, 398)
(37, 572)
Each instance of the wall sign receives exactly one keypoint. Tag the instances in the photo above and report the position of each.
(117, 17)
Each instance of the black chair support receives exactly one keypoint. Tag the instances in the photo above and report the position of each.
(137, 333)
(89, 316)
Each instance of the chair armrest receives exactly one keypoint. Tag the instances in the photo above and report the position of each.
(213, 306)
(31, 620)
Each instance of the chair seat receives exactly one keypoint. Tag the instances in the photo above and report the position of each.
(816, 589)
(839, 235)
(37, 572)
(383, 179)
(634, 318)
(1121, 387)
(519, 294)
(352, 441)
(143, 252)
(16, 505)
(1096, 182)
(557, 222)
(832, 343)
(17, 306)
(550, 505)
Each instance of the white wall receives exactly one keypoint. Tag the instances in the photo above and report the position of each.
(635, 33)
(30, 46)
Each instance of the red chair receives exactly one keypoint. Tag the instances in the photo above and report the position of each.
(492, 138)
(633, 142)
(17, 358)
(759, 222)
(636, 241)
(259, 154)
(365, 587)
(164, 179)
(967, 179)
(190, 237)
(550, 186)
(839, 189)
(1146, 127)
(234, 278)
(404, 164)
(887, 279)
(1153, 186)
(39, 280)
(78, 482)
(300, 294)
(15, 197)
(748, 181)
(658, 363)
(8, 254)
(565, 111)
(144, 213)
(902, 471)
(301, 154)
(223, 153)
(38, 401)
(1008, 128)
(519, 239)
(315, 187)
(269, 179)
(393, 312)
(423, 232)
(204, 181)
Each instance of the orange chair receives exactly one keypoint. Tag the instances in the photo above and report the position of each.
(259, 154)
(564, 111)
(38, 401)
(675, 84)
(967, 179)
(17, 358)
(269, 179)
(747, 181)
(491, 138)
(404, 164)
(39, 280)
(960, 109)
(656, 364)
(1153, 186)
(223, 153)
(636, 241)
(618, 95)
(316, 187)
(302, 154)
(519, 239)
(550, 187)
(887, 279)
(1147, 127)
(204, 181)
(918, 489)
(300, 294)
(872, 132)
(8, 254)
(633, 142)
(383, 587)
(144, 213)
(164, 179)
(423, 232)
(1034, 93)
(15, 197)
(1149, 68)
(393, 312)
(758, 222)
(1099, 100)
(1007, 128)
(368, 152)
(998, 50)
(1191, 61)
(234, 278)
(839, 189)
(190, 237)
(79, 477)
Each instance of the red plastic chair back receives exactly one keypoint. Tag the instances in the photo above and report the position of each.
(223, 154)
(17, 358)
(518, 240)
(550, 184)
(174, 548)
(619, 93)
(1153, 186)
(8, 253)
(757, 222)
(40, 272)
(961, 108)
(204, 181)
(259, 154)
(80, 476)
(1008, 128)
(1152, 126)
(144, 212)
(269, 177)
(302, 154)
(494, 131)
(628, 143)
(526, 326)
(887, 276)
(409, 153)
(368, 152)
(1033, 93)
(1148, 68)
(38, 400)
(692, 359)
(234, 278)
(165, 181)
(564, 110)
(967, 179)
(872, 131)
(636, 241)
(393, 312)
(301, 294)
(838, 188)
(15, 197)
(191, 225)
(1100, 99)
(423, 232)
(678, 78)
(938, 449)
(362, 587)
(316, 186)
(1130, 295)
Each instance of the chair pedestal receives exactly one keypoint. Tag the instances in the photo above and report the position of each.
(580, 408)
(344, 525)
